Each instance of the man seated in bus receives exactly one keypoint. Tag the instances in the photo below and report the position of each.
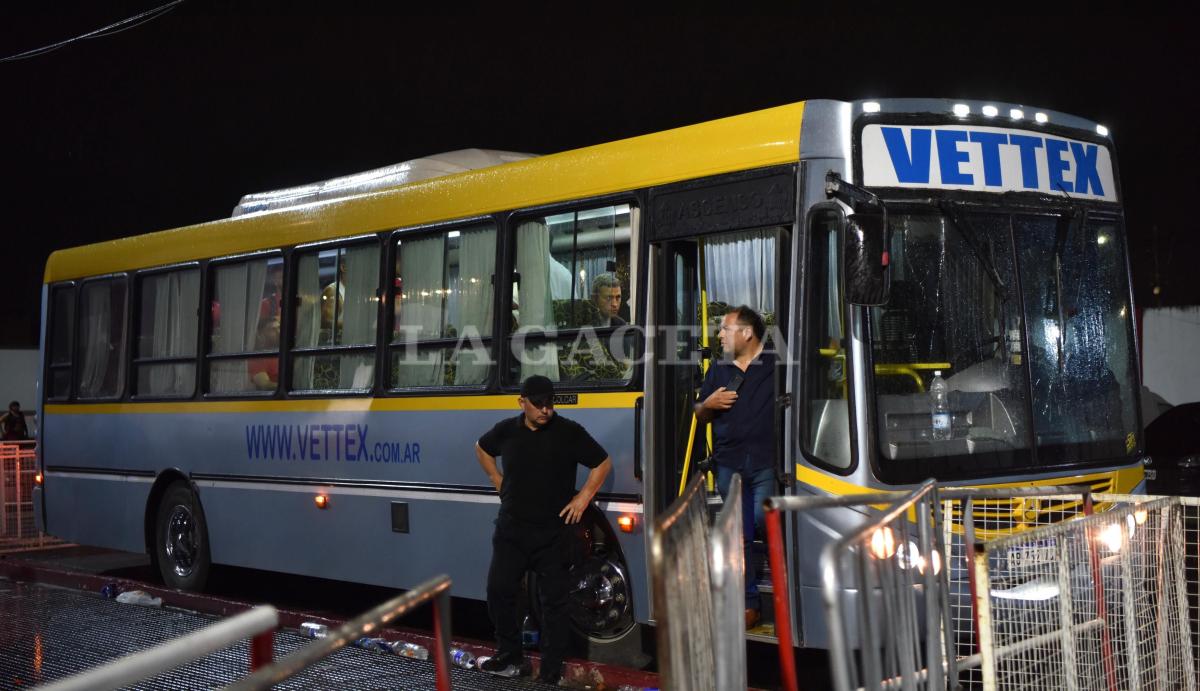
(606, 296)
(738, 397)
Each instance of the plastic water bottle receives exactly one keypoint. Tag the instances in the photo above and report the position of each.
(939, 405)
(410, 650)
(529, 633)
(461, 658)
(314, 630)
(139, 597)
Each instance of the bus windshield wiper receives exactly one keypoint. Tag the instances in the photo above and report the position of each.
(959, 222)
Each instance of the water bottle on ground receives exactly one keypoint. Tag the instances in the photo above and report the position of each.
(939, 404)
(314, 630)
(139, 597)
(461, 658)
(412, 650)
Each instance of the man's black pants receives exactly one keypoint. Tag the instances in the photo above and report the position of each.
(518, 547)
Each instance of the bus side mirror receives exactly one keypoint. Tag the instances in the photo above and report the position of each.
(865, 258)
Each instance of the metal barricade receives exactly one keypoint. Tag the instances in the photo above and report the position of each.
(18, 468)
(436, 591)
(728, 576)
(259, 622)
(683, 607)
(884, 590)
(1097, 601)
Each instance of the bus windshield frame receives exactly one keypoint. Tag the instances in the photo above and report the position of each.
(1026, 311)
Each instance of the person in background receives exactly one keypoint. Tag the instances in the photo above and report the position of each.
(538, 503)
(606, 296)
(12, 424)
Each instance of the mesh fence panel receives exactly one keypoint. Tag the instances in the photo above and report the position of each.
(18, 530)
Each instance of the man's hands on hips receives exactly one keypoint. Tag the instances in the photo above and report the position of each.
(574, 510)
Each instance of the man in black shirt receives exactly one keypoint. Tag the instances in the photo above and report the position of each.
(537, 502)
(738, 397)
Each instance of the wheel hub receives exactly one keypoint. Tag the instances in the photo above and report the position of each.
(599, 602)
(180, 543)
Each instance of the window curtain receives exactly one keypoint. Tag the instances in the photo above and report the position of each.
(97, 325)
(473, 290)
(535, 303)
(175, 325)
(308, 318)
(240, 292)
(740, 269)
(360, 315)
(422, 267)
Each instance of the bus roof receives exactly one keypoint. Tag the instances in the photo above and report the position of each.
(753, 140)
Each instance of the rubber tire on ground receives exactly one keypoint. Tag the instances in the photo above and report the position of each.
(179, 496)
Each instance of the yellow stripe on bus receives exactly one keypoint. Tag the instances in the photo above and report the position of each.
(1124, 480)
(743, 142)
(622, 399)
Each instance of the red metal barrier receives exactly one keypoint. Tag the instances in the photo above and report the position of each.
(783, 609)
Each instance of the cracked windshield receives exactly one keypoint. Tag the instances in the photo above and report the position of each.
(1025, 318)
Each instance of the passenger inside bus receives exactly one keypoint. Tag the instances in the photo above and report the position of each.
(606, 297)
(264, 371)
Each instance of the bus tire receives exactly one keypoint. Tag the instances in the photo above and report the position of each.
(599, 608)
(181, 539)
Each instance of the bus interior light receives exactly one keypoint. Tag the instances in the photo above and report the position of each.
(991, 111)
(962, 110)
(626, 523)
(322, 501)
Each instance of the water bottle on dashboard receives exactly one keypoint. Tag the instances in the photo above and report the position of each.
(939, 405)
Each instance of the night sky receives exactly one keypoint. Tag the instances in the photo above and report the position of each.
(170, 122)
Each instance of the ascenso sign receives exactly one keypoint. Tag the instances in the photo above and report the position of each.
(985, 159)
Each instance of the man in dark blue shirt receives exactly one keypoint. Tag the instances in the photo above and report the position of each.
(738, 397)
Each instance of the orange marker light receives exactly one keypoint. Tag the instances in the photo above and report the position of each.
(322, 501)
(625, 523)
(37, 479)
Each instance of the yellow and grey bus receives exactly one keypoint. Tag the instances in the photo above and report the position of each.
(298, 387)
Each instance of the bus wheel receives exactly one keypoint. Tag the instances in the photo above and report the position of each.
(181, 539)
(599, 603)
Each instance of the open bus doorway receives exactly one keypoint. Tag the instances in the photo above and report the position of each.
(700, 280)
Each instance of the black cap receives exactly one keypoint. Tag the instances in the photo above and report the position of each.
(538, 389)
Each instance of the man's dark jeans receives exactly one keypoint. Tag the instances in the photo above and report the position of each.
(757, 485)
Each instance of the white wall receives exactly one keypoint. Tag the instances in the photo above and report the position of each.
(1171, 353)
(18, 378)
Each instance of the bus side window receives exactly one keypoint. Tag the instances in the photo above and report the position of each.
(825, 412)
(574, 272)
(62, 324)
(244, 339)
(165, 348)
(336, 318)
(442, 302)
(101, 347)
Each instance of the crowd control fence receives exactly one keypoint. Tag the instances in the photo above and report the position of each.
(18, 472)
(259, 623)
(699, 590)
(1006, 588)
(435, 591)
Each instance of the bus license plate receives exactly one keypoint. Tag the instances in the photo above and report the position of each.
(1035, 555)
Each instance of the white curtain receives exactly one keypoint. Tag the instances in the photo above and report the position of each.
(240, 293)
(308, 318)
(360, 315)
(536, 302)
(97, 325)
(740, 269)
(422, 267)
(175, 296)
(473, 290)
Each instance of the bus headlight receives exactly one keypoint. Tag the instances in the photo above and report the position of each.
(883, 543)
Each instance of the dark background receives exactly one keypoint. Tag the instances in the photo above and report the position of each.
(170, 122)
